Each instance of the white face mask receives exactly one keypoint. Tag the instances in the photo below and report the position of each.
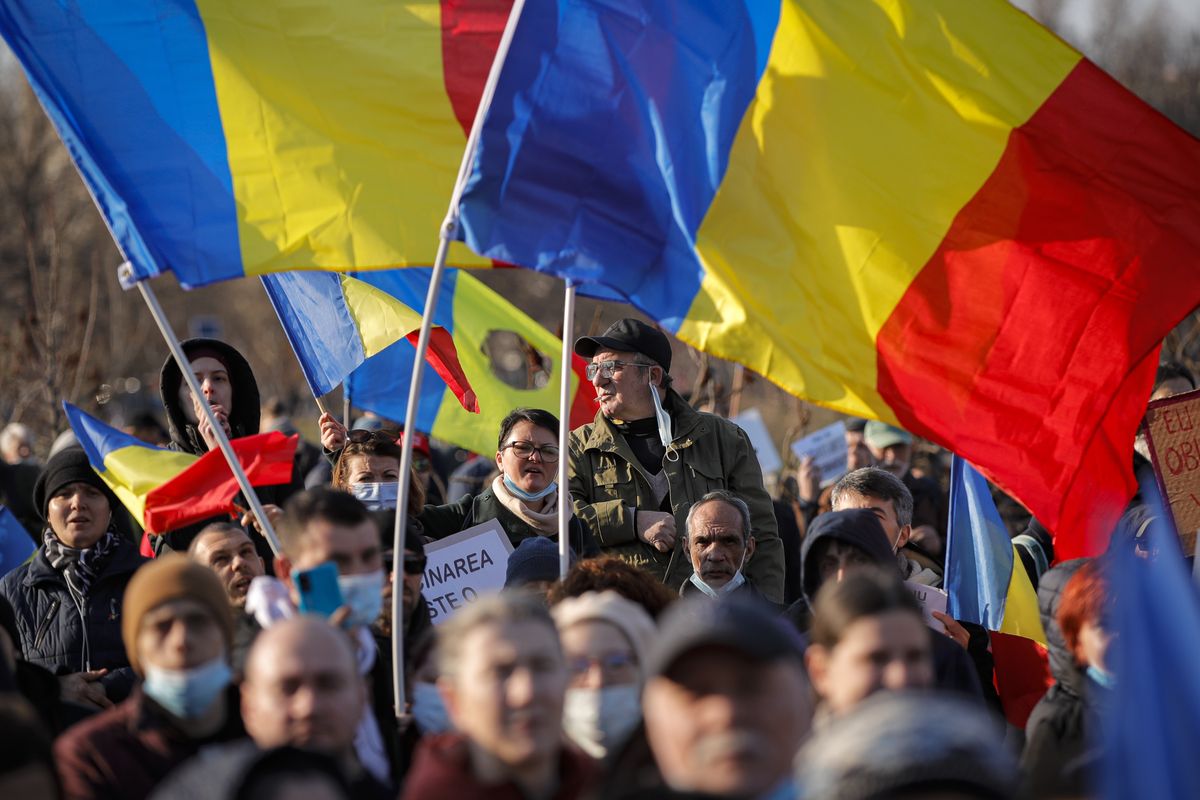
(737, 580)
(599, 720)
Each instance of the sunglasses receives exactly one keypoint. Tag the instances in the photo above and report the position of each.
(360, 436)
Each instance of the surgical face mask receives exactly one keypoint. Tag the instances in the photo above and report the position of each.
(737, 580)
(521, 494)
(599, 720)
(1105, 679)
(429, 712)
(663, 419)
(364, 594)
(376, 496)
(187, 693)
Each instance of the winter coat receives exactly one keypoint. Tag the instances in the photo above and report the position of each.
(608, 483)
(438, 522)
(123, 752)
(1056, 734)
(244, 420)
(746, 592)
(442, 769)
(53, 635)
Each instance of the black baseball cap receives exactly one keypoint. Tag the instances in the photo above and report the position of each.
(629, 335)
(743, 626)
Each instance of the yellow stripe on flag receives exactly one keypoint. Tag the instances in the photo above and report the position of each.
(846, 173)
(1021, 616)
(342, 143)
(382, 320)
(134, 472)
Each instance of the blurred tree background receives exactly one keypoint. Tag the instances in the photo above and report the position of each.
(71, 332)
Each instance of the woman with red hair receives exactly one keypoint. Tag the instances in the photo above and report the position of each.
(1060, 750)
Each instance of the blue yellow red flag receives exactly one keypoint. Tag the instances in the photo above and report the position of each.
(929, 212)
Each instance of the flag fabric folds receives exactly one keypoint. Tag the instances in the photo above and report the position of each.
(471, 313)
(334, 322)
(16, 546)
(222, 138)
(929, 212)
(165, 489)
(1150, 723)
(987, 585)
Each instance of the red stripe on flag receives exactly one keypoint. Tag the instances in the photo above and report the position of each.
(208, 487)
(1028, 342)
(1022, 675)
(442, 355)
(583, 407)
(471, 32)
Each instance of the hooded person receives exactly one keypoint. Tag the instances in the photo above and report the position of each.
(228, 382)
(840, 541)
(1055, 729)
(67, 598)
(178, 630)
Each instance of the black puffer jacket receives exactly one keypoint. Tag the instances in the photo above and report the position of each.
(53, 635)
(1056, 743)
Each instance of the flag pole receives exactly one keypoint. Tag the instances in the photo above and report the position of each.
(564, 431)
(448, 232)
(185, 367)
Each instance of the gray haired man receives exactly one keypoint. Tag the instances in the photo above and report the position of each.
(720, 542)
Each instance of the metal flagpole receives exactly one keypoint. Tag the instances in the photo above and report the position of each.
(564, 430)
(446, 235)
(164, 326)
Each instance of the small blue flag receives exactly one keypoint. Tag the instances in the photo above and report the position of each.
(15, 544)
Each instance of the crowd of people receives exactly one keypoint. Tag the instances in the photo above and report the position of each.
(708, 640)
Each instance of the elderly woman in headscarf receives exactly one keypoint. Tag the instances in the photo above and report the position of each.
(67, 598)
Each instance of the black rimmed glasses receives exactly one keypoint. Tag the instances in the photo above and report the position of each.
(548, 452)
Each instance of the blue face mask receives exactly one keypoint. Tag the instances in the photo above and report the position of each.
(429, 712)
(364, 595)
(376, 496)
(521, 494)
(1105, 679)
(187, 693)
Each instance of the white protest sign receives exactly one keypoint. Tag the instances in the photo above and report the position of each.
(931, 600)
(827, 446)
(463, 566)
(751, 422)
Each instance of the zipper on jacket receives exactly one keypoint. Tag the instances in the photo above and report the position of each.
(44, 625)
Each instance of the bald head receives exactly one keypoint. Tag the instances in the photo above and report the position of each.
(302, 688)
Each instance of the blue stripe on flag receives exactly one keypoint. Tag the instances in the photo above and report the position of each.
(97, 438)
(312, 309)
(979, 554)
(16, 546)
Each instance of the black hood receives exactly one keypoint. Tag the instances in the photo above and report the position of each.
(1049, 594)
(243, 417)
(856, 526)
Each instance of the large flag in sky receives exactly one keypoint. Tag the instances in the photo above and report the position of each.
(472, 313)
(166, 489)
(334, 322)
(930, 212)
(223, 138)
(988, 585)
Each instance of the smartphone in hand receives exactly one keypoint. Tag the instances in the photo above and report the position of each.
(318, 589)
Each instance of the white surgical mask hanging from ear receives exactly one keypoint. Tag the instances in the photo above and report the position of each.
(737, 580)
(662, 418)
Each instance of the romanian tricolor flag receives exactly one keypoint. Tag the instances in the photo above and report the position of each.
(223, 138)
(335, 322)
(930, 212)
(988, 585)
(475, 316)
(166, 489)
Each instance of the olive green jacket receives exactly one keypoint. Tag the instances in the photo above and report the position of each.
(608, 484)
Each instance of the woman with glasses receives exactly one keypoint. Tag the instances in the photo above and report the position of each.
(524, 497)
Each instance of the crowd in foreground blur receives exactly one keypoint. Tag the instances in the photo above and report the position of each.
(708, 640)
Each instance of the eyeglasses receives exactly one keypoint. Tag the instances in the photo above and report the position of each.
(548, 452)
(360, 436)
(613, 665)
(605, 369)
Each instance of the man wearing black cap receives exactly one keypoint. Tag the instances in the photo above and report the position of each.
(648, 456)
(727, 702)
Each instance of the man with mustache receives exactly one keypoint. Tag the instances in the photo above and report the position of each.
(727, 703)
(720, 545)
(648, 456)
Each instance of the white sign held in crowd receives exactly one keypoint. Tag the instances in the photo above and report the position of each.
(463, 566)
(931, 600)
(751, 422)
(827, 446)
